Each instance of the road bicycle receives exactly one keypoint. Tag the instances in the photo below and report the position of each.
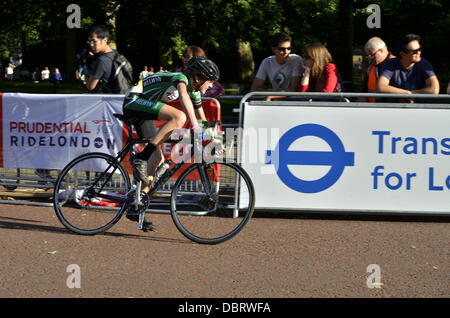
(210, 202)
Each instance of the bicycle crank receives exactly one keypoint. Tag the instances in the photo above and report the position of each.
(143, 206)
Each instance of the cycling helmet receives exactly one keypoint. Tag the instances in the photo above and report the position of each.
(207, 69)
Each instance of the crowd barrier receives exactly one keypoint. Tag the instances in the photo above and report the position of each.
(41, 133)
(316, 151)
(337, 153)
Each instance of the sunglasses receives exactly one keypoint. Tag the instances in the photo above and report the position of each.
(413, 51)
(282, 49)
(371, 56)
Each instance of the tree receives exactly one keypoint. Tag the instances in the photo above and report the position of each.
(234, 33)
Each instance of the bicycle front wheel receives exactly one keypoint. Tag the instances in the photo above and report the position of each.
(211, 203)
(90, 193)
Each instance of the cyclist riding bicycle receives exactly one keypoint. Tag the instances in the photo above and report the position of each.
(147, 102)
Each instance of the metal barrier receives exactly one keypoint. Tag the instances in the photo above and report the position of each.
(313, 98)
(24, 186)
(29, 186)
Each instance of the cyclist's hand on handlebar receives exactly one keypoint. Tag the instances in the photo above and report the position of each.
(202, 132)
(197, 130)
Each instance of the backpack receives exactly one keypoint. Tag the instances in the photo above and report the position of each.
(122, 73)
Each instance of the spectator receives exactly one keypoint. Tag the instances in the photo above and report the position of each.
(10, 72)
(319, 73)
(408, 73)
(448, 88)
(100, 77)
(282, 69)
(377, 53)
(216, 90)
(45, 74)
(188, 53)
(56, 79)
(151, 70)
(144, 73)
(57, 75)
(35, 75)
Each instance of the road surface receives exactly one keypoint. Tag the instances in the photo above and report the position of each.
(274, 256)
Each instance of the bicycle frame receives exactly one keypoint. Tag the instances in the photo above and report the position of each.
(195, 144)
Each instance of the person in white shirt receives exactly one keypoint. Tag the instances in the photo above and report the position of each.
(282, 70)
(45, 74)
(144, 73)
(10, 72)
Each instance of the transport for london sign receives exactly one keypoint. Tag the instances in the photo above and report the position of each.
(348, 159)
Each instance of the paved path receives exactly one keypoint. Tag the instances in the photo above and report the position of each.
(272, 257)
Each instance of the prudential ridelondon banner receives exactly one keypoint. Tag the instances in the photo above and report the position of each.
(47, 131)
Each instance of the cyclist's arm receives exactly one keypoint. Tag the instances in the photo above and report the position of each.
(200, 113)
(186, 103)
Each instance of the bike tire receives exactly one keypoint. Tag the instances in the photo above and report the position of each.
(205, 213)
(91, 214)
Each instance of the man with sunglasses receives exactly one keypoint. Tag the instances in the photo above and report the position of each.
(377, 53)
(282, 69)
(409, 73)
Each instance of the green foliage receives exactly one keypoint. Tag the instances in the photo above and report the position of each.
(151, 32)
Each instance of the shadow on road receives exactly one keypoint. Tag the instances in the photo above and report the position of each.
(23, 224)
(352, 216)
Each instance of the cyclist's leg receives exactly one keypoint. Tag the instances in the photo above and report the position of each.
(147, 129)
(174, 118)
(141, 109)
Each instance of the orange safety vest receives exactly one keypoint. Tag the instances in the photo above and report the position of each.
(372, 79)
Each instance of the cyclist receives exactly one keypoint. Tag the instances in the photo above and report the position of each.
(147, 102)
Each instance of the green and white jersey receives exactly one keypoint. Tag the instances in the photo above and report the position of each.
(162, 87)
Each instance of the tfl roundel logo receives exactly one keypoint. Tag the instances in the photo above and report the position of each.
(98, 142)
(337, 158)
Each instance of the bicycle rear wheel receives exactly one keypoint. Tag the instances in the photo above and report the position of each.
(90, 193)
(211, 203)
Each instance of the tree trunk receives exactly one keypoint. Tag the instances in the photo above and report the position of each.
(345, 13)
(247, 65)
(70, 67)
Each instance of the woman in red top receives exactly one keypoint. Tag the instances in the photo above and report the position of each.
(320, 74)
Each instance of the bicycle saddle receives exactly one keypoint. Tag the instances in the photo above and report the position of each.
(123, 118)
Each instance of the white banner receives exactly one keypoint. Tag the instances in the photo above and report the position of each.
(348, 159)
(47, 131)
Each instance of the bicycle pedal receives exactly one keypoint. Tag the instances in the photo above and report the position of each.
(141, 221)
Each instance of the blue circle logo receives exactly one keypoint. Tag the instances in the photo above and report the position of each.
(98, 142)
(337, 158)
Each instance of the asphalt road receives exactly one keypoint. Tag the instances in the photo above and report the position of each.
(303, 256)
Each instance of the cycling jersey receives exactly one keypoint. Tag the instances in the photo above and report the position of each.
(145, 100)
